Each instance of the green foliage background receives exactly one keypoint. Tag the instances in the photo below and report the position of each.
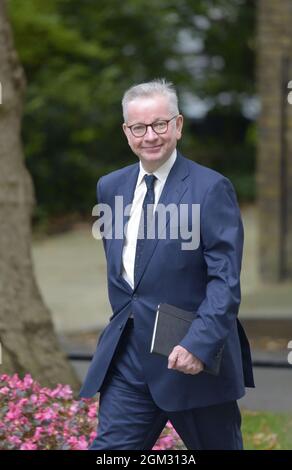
(80, 55)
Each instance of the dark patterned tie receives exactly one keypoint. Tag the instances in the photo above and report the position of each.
(142, 232)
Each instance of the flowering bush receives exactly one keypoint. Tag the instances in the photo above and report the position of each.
(35, 418)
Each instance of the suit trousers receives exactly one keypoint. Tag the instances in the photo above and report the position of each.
(129, 419)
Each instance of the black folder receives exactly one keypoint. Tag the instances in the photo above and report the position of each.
(170, 327)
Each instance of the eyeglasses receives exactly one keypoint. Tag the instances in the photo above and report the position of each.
(159, 127)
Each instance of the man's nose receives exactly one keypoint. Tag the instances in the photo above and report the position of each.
(150, 134)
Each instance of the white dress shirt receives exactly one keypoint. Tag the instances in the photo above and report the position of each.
(131, 235)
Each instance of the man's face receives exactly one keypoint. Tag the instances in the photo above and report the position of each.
(152, 149)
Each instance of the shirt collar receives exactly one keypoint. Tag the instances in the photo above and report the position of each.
(162, 172)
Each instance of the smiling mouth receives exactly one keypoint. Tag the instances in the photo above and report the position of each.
(154, 147)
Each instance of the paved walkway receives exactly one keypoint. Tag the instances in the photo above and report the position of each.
(71, 273)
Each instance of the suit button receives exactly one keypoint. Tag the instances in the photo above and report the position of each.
(135, 296)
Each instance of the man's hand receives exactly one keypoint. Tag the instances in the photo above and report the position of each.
(182, 360)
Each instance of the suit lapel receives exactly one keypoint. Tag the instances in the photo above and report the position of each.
(172, 193)
(126, 190)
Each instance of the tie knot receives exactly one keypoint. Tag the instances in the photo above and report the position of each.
(149, 180)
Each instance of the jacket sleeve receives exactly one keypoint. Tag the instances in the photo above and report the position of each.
(222, 239)
(101, 227)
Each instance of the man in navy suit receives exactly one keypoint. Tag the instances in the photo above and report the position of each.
(140, 391)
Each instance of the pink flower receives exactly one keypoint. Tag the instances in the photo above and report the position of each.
(28, 446)
(82, 443)
(50, 430)
(27, 381)
(38, 433)
(15, 440)
(62, 391)
(92, 410)
(4, 378)
(45, 415)
(74, 408)
(78, 444)
(92, 436)
(33, 398)
(65, 423)
(14, 412)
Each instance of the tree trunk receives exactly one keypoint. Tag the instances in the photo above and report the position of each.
(28, 340)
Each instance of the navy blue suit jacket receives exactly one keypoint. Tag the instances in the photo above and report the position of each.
(205, 280)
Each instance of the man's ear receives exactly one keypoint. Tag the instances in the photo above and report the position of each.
(126, 132)
(124, 126)
(179, 125)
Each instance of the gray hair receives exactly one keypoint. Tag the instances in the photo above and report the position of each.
(158, 86)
